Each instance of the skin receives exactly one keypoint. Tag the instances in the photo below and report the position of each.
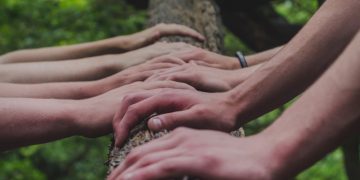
(113, 45)
(85, 69)
(26, 121)
(326, 115)
(204, 69)
(311, 51)
(205, 78)
(87, 89)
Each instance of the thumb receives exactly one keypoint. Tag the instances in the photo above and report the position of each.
(172, 120)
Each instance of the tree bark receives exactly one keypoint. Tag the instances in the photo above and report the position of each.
(201, 15)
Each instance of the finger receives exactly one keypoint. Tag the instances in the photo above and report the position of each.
(167, 84)
(203, 63)
(139, 111)
(169, 168)
(176, 29)
(167, 58)
(147, 159)
(125, 103)
(173, 120)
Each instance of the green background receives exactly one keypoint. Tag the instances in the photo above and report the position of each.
(39, 23)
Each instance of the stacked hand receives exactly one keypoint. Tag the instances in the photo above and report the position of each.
(95, 114)
(203, 154)
(203, 78)
(151, 35)
(175, 108)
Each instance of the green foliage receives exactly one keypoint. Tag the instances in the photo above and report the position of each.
(38, 23)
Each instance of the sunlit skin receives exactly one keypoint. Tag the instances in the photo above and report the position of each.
(318, 122)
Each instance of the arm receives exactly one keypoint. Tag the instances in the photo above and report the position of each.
(300, 62)
(205, 78)
(25, 121)
(108, 46)
(317, 123)
(83, 69)
(81, 90)
(258, 58)
(292, 70)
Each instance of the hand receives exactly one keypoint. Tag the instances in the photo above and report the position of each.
(154, 33)
(132, 74)
(203, 78)
(95, 114)
(203, 154)
(152, 52)
(207, 58)
(175, 108)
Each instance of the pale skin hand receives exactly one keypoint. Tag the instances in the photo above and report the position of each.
(198, 153)
(87, 89)
(211, 59)
(108, 46)
(205, 78)
(326, 114)
(85, 69)
(176, 108)
(283, 77)
(26, 121)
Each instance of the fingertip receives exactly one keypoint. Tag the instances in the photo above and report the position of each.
(155, 124)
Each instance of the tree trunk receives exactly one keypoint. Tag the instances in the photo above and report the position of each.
(201, 15)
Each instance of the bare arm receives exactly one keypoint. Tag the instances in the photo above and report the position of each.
(83, 69)
(317, 123)
(108, 46)
(327, 114)
(32, 121)
(25, 121)
(286, 75)
(258, 58)
(86, 89)
(301, 61)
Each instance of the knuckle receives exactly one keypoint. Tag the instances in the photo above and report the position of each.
(132, 110)
(202, 111)
(128, 99)
(208, 160)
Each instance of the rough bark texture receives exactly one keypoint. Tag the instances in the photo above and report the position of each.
(202, 15)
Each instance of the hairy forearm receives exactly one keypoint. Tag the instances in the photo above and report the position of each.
(101, 47)
(321, 119)
(32, 121)
(298, 64)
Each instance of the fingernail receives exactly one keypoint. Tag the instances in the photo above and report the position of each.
(128, 176)
(156, 123)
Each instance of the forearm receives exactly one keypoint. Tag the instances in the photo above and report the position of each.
(65, 90)
(32, 121)
(59, 71)
(101, 47)
(321, 119)
(299, 63)
(238, 76)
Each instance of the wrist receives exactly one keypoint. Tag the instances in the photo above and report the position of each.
(232, 63)
(284, 150)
